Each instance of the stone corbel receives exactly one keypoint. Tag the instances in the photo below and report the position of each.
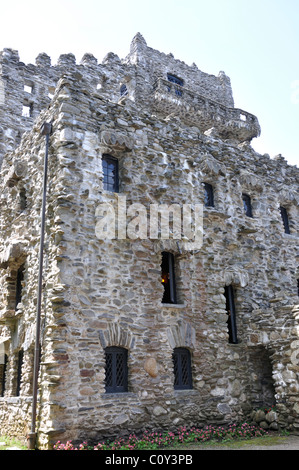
(250, 181)
(236, 276)
(117, 140)
(288, 197)
(15, 250)
(210, 166)
(16, 172)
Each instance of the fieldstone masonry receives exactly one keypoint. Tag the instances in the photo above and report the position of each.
(172, 129)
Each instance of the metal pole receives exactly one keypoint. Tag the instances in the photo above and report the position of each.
(46, 130)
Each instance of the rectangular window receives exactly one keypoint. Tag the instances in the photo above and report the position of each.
(28, 88)
(247, 205)
(209, 195)
(177, 81)
(19, 372)
(110, 173)
(168, 278)
(116, 370)
(182, 369)
(27, 110)
(3, 369)
(285, 219)
(231, 312)
(19, 284)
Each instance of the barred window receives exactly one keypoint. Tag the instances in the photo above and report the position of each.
(116, 371)
(110, 173)
(182, 369)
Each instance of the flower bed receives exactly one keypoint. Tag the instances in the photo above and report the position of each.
(156, 440)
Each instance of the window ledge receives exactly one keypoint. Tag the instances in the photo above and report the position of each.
(118, 395)
(186, 391)
(212, 212)
(183, 305)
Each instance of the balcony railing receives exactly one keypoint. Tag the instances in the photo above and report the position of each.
(205, 113)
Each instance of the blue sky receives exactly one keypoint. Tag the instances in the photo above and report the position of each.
(256, 43)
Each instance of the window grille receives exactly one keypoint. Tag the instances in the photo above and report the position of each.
(177, 81)
(231, 312)
(110, 173)
(247, 205)
(182, 369)
(168, 278)
(116, 371)
(209, 195)
(285, 219)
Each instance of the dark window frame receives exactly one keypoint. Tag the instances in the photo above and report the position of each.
(208, 195)
(116, 369)
(123, 90)
(3, 375)
(110, 164)
(182, 370)
(285, 219)
(176, 81)
(20, 361)
(168, 278)
(231, 312)
(19, 286)
(247, 204)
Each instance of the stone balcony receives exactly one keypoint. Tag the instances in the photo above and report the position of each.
(197, 110)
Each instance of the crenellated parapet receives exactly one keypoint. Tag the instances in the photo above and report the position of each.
(198, 110)
(152, 80)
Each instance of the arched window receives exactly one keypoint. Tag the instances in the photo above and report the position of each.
(116, 370)
(182, 369)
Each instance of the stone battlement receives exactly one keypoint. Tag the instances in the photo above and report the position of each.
(144, 77)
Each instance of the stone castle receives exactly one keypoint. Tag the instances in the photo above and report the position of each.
(143, 331)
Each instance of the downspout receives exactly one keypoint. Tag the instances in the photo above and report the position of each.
(31, 438)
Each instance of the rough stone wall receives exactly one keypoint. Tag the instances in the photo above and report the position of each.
(100, 293)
